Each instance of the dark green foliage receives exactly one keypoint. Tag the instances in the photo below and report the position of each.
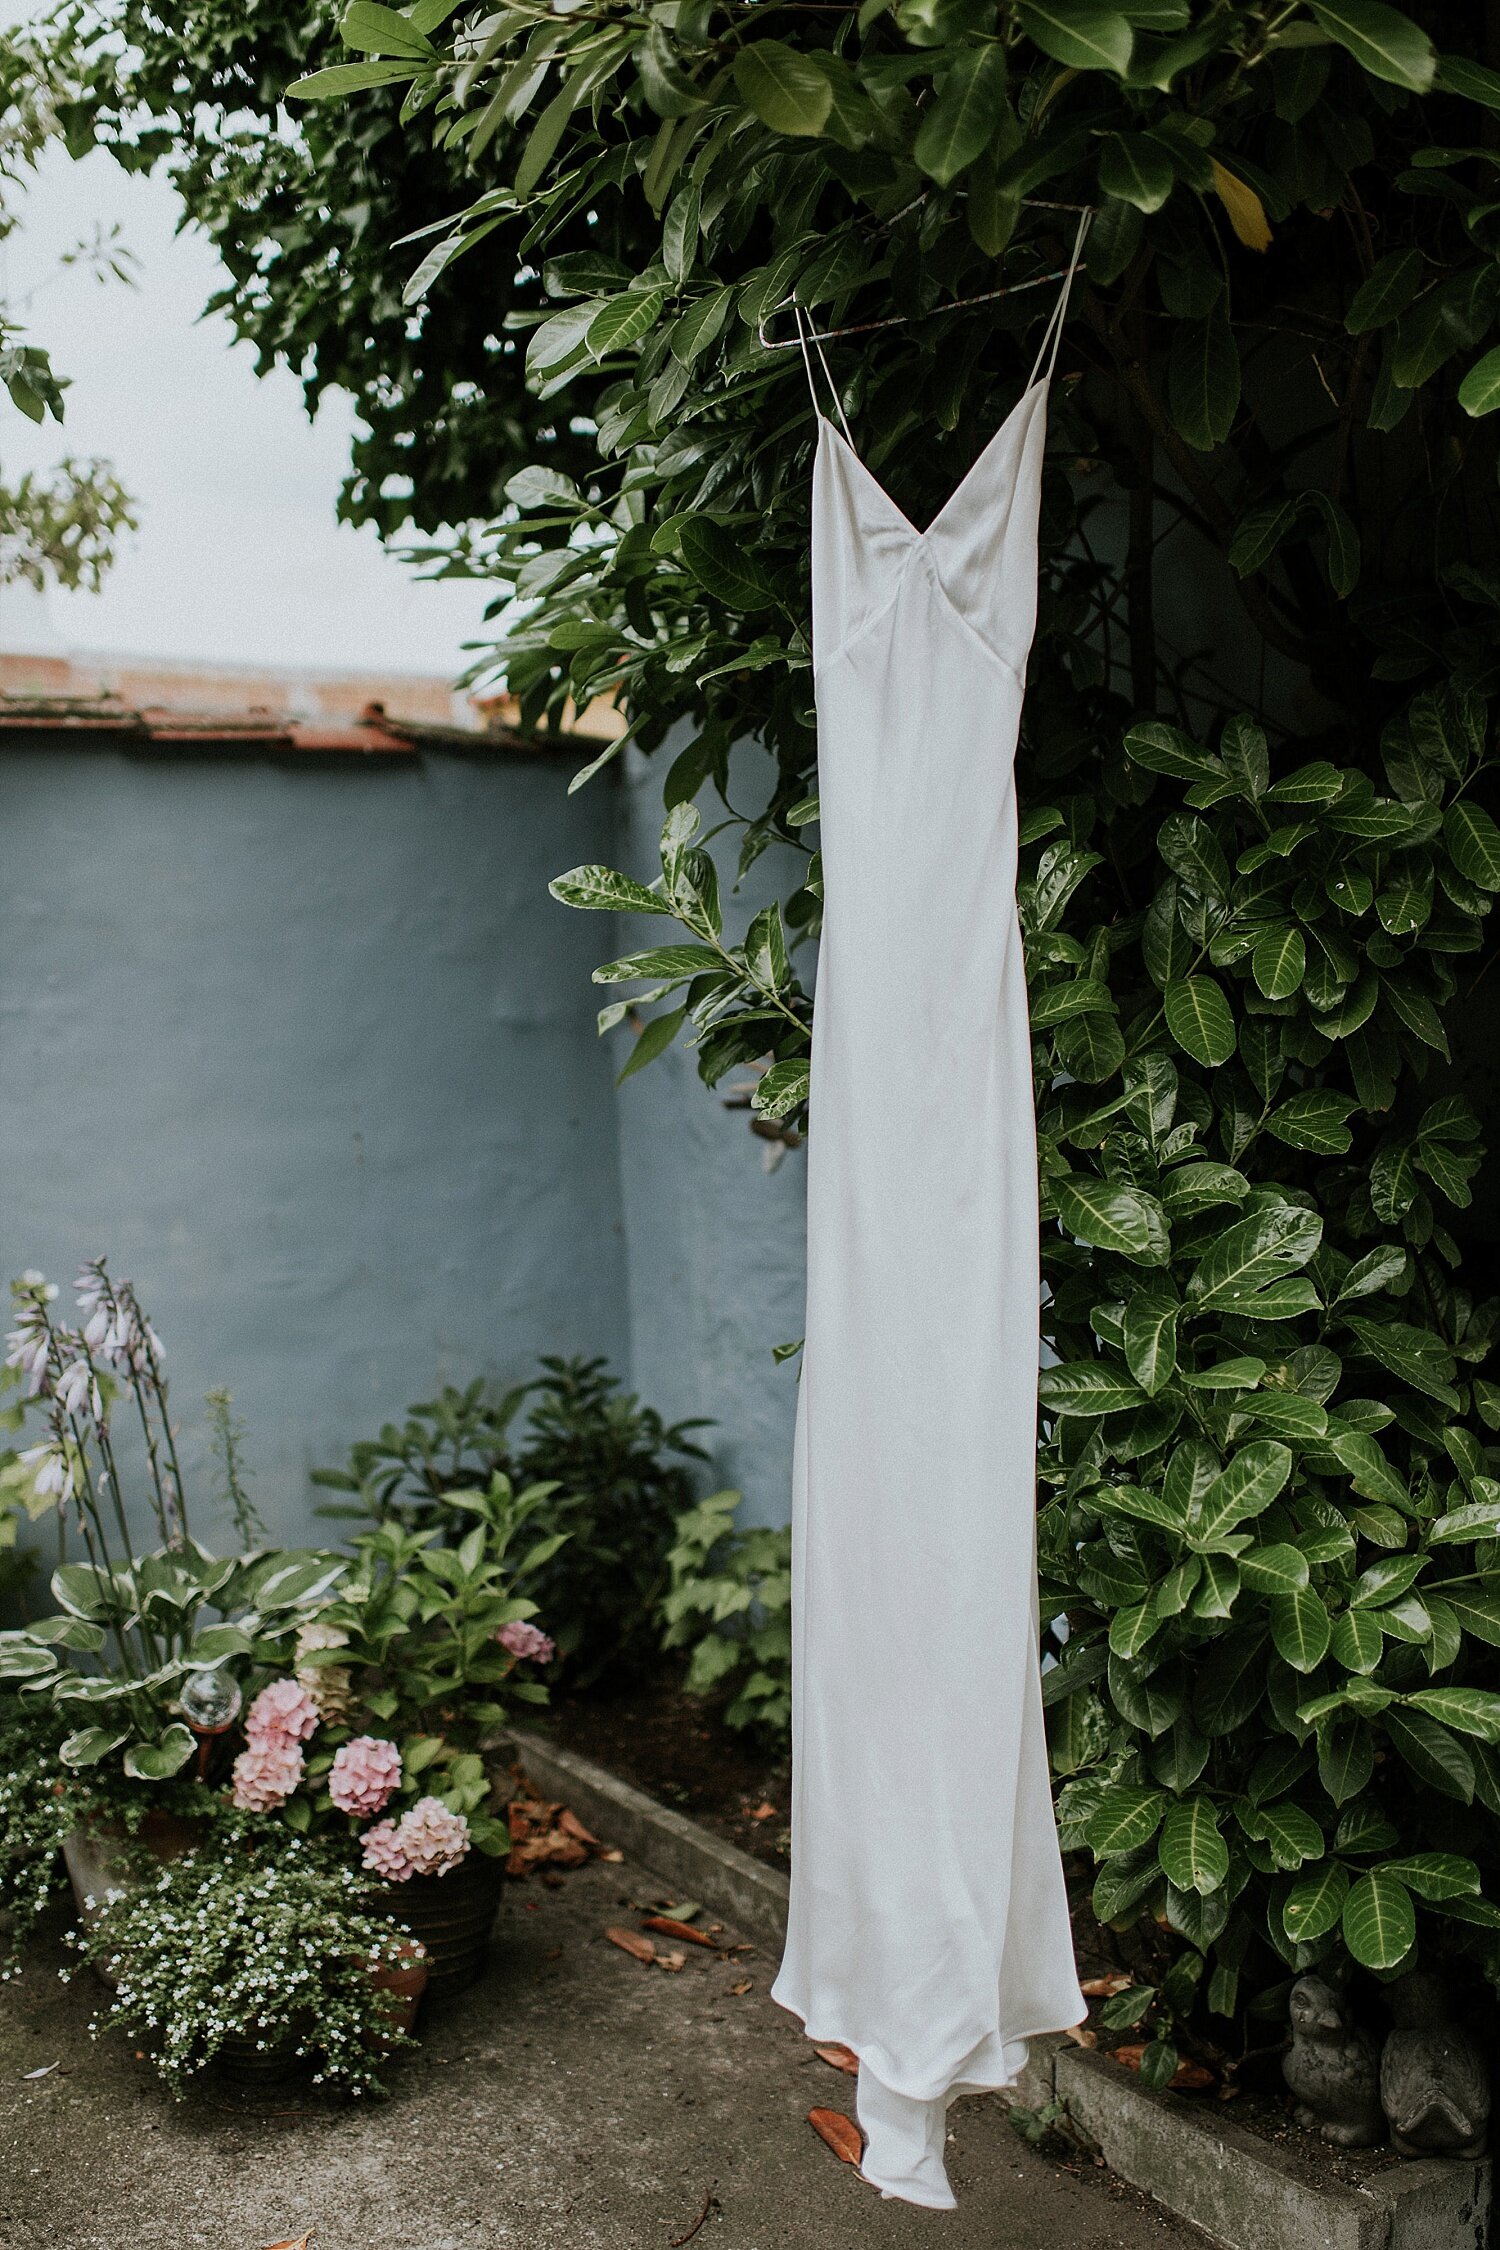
(730, 1604)
(34, 1815)
(621, 1476)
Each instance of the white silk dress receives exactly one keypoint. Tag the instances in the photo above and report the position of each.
(929, 1924)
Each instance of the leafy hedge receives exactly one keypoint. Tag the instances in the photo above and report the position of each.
(1269, 1516)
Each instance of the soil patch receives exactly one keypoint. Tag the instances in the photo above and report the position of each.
(677, 1748)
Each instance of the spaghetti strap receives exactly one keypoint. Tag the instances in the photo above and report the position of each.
(1052, 333)
(803, 332)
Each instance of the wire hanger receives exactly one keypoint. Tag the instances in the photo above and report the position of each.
(904, 320)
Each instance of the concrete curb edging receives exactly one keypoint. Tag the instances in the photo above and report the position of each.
(1242, 2191)
(695, 1863)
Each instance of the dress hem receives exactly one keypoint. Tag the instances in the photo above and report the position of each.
(958, 2081)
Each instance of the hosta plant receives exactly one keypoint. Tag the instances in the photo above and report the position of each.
(1271, 1519)
(132, 1631)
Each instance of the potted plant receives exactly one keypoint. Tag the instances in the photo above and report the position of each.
(136, 1656)
(374, 1733)
(256, 1953)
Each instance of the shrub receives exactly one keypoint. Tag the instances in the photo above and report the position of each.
(35, 1815)
(730, 1603)
(259, 1938)
(1270, 1515)
(620, 1476)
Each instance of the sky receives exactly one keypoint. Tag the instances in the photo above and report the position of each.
(239, 557)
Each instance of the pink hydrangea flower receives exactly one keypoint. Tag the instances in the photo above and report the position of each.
(366, 1774)
(524, 1639)
(428, 1840)
(282, 1712)
(266, 1774)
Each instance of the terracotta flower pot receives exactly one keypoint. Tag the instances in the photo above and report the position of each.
(450, 1915)
(98, 1855)
(244, 2061)
(406, 1981)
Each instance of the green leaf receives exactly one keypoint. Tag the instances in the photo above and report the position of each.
(1431, 1753)
(1315, 1906)
(717, 559)
(602, 889)
(1254, 1251)
(1479, 392)
(1137, 168)
(1199, 1019)
(1278, 1569)
(1292, 1833)
(1387, 292)
(1110, 1217)
(1473, 842)
(89, 1745)
(1314, 1120)
(1382, 41)
(1379, 1921)
(1477, 1612)
(1437, 1875)
(1468, 1710)
(1126, 1819)
(1078, 996)
(1089, 1389)
(348, 78)
(674, 962)
(1346, 1759)
(1163, 749)
(1300, 1628)
(1356, 1641)
(656, 1038)
(622, 321)
(158, 1761)
(545, 135)
(1078, 34)
(1150, 1333)
(784, 1088)
(1192, 1852)
(1279, 962)
(960, 121)
(1243, 1489)
(382, 31)
(1203, 380)
(784, 87)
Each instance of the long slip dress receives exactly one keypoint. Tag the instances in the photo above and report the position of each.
(929, 1923)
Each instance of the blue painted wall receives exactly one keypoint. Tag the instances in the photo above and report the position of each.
(310, 1051)
(717, 1243)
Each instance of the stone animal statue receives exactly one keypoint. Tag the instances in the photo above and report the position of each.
(1332, 2068)
(1434, 2082)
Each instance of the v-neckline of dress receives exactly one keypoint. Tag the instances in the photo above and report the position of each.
(954, 497)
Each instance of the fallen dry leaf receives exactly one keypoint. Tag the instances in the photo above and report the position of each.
(1188, 2076)
(1105, 1988)
(1081, 2036)
(302, 2242)
(573, 1826)
(841, 2057)
(632, 1942)
(765, 1810)
(745, 1985)
(667, 1925)
(672, 1961)
(613, 1855)
(840, 2132)
(45, 2071)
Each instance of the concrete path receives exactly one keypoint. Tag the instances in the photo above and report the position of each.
(573, 2100)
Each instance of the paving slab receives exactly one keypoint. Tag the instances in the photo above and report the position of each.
(572, 2100)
